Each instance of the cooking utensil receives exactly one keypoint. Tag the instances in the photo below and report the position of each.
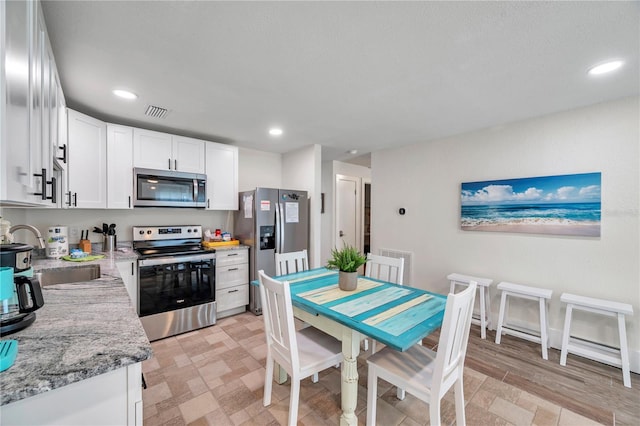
(112, 229)
(16, 256)
(105, 228)
(97, 230)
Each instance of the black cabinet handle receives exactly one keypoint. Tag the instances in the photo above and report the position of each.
(43, 184)
(129, 201)
(75, 199)
(68, 194)
(169, 163)
(232, 269)
(54, 189)
(208, 203)
(64, 153)
(132, 268)
(233, 291)
(175, 164)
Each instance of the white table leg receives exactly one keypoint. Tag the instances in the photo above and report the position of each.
(349, 389)
(624, 351)
(483, 317)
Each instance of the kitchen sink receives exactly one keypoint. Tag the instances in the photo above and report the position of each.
(68, 275)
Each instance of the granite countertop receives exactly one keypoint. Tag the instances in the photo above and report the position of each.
(83, 330)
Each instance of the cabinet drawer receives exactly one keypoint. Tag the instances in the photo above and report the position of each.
(229, 276)
(231, 257)
(233, 297)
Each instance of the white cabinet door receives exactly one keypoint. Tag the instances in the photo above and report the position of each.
(119, 167)
(188, 154)
(222, 177)
(87, 146)
(152, 150)
(129, 273)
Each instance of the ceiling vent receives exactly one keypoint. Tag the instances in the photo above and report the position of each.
(155, 111)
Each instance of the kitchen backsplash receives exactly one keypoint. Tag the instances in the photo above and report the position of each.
(83, 219)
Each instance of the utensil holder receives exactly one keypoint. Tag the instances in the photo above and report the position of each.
(109, 243)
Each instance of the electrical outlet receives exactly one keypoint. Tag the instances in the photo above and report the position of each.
(74, 232)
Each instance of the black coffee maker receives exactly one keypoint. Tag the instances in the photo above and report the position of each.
(20, 297)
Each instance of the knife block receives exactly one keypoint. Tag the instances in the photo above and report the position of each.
(85, 246)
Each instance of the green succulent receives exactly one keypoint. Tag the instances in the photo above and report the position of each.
(348, 259)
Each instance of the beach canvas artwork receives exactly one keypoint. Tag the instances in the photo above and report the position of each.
(557, 205)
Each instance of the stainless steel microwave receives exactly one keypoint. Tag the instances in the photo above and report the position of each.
(165, 188)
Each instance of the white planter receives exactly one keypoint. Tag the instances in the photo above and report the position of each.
(348, 281)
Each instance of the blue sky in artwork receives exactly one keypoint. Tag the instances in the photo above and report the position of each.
(576, 188)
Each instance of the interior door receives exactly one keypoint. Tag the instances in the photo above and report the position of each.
(347, 217)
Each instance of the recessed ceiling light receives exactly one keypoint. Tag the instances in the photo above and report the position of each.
(275, 131)
(125, 94)
(605, 67)
(352, 151)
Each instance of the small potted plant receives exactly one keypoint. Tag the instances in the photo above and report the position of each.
(347, 261)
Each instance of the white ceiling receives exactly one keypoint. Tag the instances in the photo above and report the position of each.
(345, 75)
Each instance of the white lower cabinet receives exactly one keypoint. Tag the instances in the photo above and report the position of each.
(232, 282)
(113, 398)
(128, 270)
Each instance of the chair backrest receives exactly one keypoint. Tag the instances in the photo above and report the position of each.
(454, 336)
(279, 326)
(289, 263)
(385, 268)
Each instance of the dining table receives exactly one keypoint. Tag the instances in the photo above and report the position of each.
(395, 315)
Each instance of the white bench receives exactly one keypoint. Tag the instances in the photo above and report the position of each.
(484, 319)
(593, 350)
(525, 292)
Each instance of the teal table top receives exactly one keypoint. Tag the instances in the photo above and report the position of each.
(398, 316)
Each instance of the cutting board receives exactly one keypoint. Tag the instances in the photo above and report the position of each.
(214, 244)
(84, 259)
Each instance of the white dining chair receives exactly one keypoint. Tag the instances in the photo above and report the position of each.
(384, 268)
(289, 263)
(300, 353)
(426, 374)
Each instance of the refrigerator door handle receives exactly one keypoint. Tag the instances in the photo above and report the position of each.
(277, 208)
(281, 227)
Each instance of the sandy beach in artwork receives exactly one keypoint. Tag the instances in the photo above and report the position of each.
(584, 230)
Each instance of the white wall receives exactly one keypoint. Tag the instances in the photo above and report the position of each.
(425, 179)
(258, 169)
(301, 170)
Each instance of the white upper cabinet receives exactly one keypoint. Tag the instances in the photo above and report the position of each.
(119, 167)
(25, 130)
(87, 144)
(222, 177)
(162, 151)
(188, 154)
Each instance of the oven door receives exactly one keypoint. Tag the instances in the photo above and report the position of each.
(170, 283)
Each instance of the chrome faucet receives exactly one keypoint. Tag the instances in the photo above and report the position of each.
(32, 229)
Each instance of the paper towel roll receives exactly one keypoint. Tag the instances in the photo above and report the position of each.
(58, 242)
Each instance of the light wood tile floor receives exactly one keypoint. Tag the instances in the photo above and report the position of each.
(215, 376)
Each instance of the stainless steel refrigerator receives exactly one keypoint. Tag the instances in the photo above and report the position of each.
(270, 221)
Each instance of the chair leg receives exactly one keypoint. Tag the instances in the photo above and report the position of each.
(372, 397)
(294, 400)
(373, 346)
(566, 335)
(268, 382)
(503, 302)
(624, 351)
(365, 344)
(400, 394)
(458, 391)
(544, 327)
(314, 378)
(434, 410)
(483, 318)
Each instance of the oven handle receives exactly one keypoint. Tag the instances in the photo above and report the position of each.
(175, 259)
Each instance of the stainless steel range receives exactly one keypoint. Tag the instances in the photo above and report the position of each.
(176, 280)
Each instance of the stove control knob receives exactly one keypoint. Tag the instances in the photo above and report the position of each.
(149, 232)
(141, 232)
(188, 230)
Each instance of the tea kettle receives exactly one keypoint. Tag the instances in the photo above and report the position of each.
(20, 297)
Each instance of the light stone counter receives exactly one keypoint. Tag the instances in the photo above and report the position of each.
(83, 330)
